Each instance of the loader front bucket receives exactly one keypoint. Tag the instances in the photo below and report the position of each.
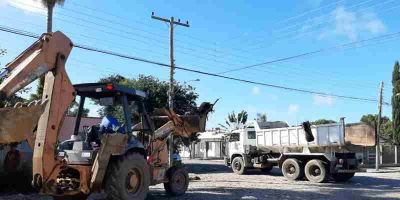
(19, 123)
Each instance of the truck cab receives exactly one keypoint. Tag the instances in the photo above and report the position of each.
(240, 143)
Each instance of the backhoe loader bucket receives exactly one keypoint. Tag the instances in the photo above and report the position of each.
(18, 123)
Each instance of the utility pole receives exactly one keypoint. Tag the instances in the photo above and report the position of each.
(171, 22)
(378, 127)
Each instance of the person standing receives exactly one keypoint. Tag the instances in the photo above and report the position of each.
(11, 165)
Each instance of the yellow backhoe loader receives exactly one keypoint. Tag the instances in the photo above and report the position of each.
(122, 163)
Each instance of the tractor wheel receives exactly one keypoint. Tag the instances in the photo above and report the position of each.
(238, 166)
(292, 169)
(178, 181)
(127, 178)
(342, 177)
(267, 169)
(316, 171)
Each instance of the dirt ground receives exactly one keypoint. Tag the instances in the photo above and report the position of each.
(218, 182)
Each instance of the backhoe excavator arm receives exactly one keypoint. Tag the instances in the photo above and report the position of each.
(47, 57)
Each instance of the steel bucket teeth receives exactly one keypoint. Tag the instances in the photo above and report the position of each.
(19, 122)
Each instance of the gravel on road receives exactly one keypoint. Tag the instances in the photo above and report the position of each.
(219, 182)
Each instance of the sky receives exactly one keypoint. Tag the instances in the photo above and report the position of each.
(226, 35)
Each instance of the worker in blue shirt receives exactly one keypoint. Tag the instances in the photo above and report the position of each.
(110, 124)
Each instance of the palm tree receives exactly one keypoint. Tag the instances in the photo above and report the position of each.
(261, 117)
(49, 4)
(234, 122)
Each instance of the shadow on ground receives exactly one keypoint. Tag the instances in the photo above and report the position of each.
(362, 187)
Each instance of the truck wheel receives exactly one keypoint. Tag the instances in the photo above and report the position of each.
(316, 171)
(292, 170)
(266, 169)
(342, 177)
(238, 166)
(128, 178)
(178, 181)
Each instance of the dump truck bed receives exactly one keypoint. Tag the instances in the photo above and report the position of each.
(328, 135)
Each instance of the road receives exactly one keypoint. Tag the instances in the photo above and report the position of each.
(218, 182)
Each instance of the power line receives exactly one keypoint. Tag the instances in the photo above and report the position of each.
(32, 35)
(297, 25)
(257, 70)
(280, 22)
(286, 34)
(312, 52)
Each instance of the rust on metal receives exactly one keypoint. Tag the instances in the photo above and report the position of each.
(360, 134)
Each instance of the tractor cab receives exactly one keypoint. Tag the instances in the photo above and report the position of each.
(82, 148)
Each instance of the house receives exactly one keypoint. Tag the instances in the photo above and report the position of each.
(69, 125)
(211, 145)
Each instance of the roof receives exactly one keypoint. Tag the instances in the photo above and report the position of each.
(102, 90)
(270, 125)
(210, 135)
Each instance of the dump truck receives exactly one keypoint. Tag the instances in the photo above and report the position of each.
(317, 152)
(122, 163)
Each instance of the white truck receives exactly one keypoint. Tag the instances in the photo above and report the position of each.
(316, 152)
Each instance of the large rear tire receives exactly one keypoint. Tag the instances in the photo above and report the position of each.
(316, 171)
(128, 178)
(238, 166)
(292, 169)
(342, 177)
(178, 181)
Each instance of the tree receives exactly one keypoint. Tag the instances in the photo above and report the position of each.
(261, 117)
(49, 4)
(323, 121)
(234, 121)
(3, 52)
(157, 91)
(396, 103)
(14, 98)
(386, 130)
(73, 110)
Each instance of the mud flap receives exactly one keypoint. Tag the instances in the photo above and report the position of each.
(19, 123)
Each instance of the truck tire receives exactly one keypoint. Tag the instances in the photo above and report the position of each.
(315, 171)
(178, 181)
(238, 166)
(292, 169)
(267, 169)
(127, 178)
(342, 177)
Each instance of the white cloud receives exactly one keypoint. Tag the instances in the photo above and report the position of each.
(345, 23)
(30, 6)
(324, 100)
(293, 108)
(255, 91)
(373, 24)
(353, 23)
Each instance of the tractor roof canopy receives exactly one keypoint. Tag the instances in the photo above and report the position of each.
(103, 90)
